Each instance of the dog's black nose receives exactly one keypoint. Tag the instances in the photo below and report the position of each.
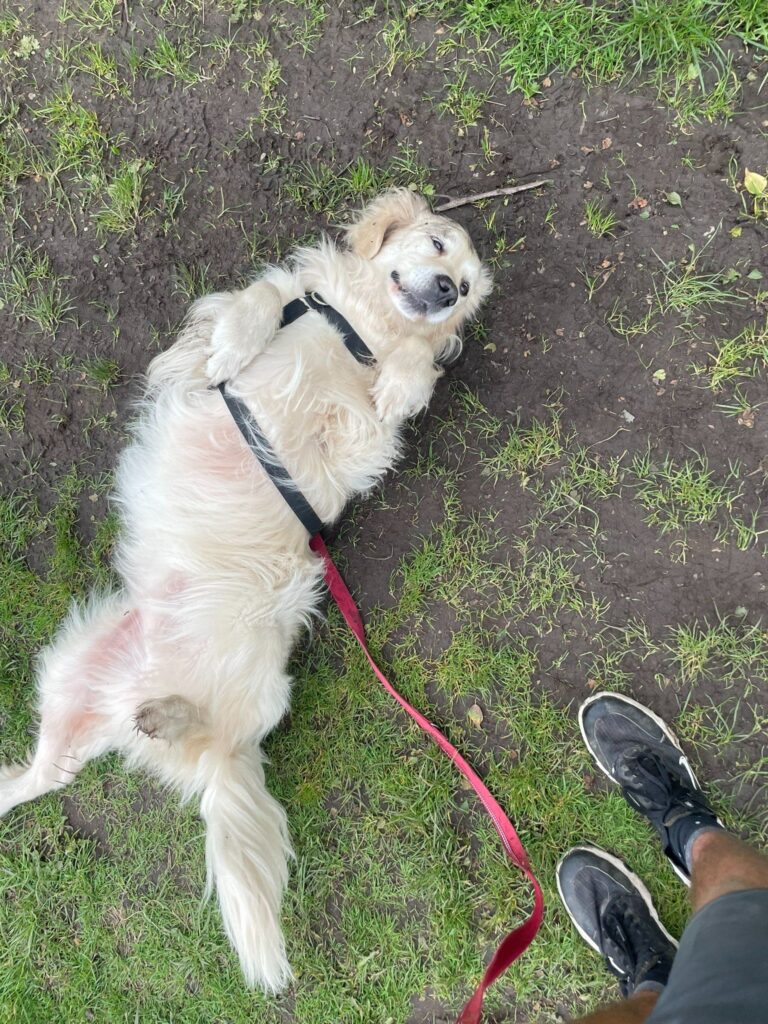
(446, 290)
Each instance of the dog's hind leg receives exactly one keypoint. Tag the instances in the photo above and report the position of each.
(75, 720)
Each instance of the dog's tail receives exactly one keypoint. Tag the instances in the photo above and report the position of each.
(247, 852)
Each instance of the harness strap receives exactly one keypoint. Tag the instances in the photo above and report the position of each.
(352, 340)
(274, 468)
(251, 431)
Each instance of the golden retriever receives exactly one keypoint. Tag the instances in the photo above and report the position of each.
(183, 669)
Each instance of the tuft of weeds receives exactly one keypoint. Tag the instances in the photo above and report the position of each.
(687, 290)
(123, 196)
(100, 68)
(676, 495)
(736, 358)
(78, 142)
(32, 291)
(599, 222)
(100, 372)
(94, 15)
(192, 280)
(173, 60)
(730, 650)
(399, 50)
(527, 450)
(321, 188)
(583, 479)
(463, 102)
(682, 287)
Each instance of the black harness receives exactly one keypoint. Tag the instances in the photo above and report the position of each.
(251, 431)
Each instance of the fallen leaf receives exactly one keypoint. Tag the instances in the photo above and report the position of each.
(586, 150)
(638, 203)
(673, 198)
(475, 715)
(606, 143)
(546, 83)
(756, 184)
(627, 416)
(746, 418)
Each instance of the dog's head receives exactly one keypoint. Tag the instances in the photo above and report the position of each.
(428, 263)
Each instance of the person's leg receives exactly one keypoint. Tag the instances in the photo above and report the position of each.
(717, 974)
(722, 864)
(634, 1010)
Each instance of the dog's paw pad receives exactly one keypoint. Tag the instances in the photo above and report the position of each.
(150, 718)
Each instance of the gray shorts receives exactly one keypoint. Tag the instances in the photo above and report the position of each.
(720, 974)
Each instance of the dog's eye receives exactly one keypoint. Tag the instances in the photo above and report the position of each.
(464, 288)
(438, 244)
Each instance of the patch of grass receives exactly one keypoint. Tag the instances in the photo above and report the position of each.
(94, 15)
(729, 650)
(193, 280)
(527, 450)
(77, 139)
(11, 402)
(645, 38)
(676, 495)
(100, 67)
(682, 288)
(397, 49)
(173, 59)
(583, 480)
(32, 291)
(322, 188)
(736, 358)
(100, 372)
(599, 222)
(123, 196)
(463, 102)
(687, 290)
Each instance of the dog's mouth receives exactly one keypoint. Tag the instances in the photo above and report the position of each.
(409, 304)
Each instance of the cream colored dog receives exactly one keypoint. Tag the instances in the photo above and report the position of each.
(183, 669)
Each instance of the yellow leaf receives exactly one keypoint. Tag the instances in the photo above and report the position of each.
(756, 184)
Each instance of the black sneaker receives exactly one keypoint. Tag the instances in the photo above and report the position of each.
(639, 752)
(614, 913)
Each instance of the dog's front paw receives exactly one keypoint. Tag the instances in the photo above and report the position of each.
(243, 329)
(404, 386)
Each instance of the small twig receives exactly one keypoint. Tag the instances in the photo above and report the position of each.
(492, 195)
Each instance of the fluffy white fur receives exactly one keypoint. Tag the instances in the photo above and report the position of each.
(184, 668)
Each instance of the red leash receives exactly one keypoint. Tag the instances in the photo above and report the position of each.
(520, 939)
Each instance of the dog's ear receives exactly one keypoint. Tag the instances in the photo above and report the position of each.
(394, 209)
